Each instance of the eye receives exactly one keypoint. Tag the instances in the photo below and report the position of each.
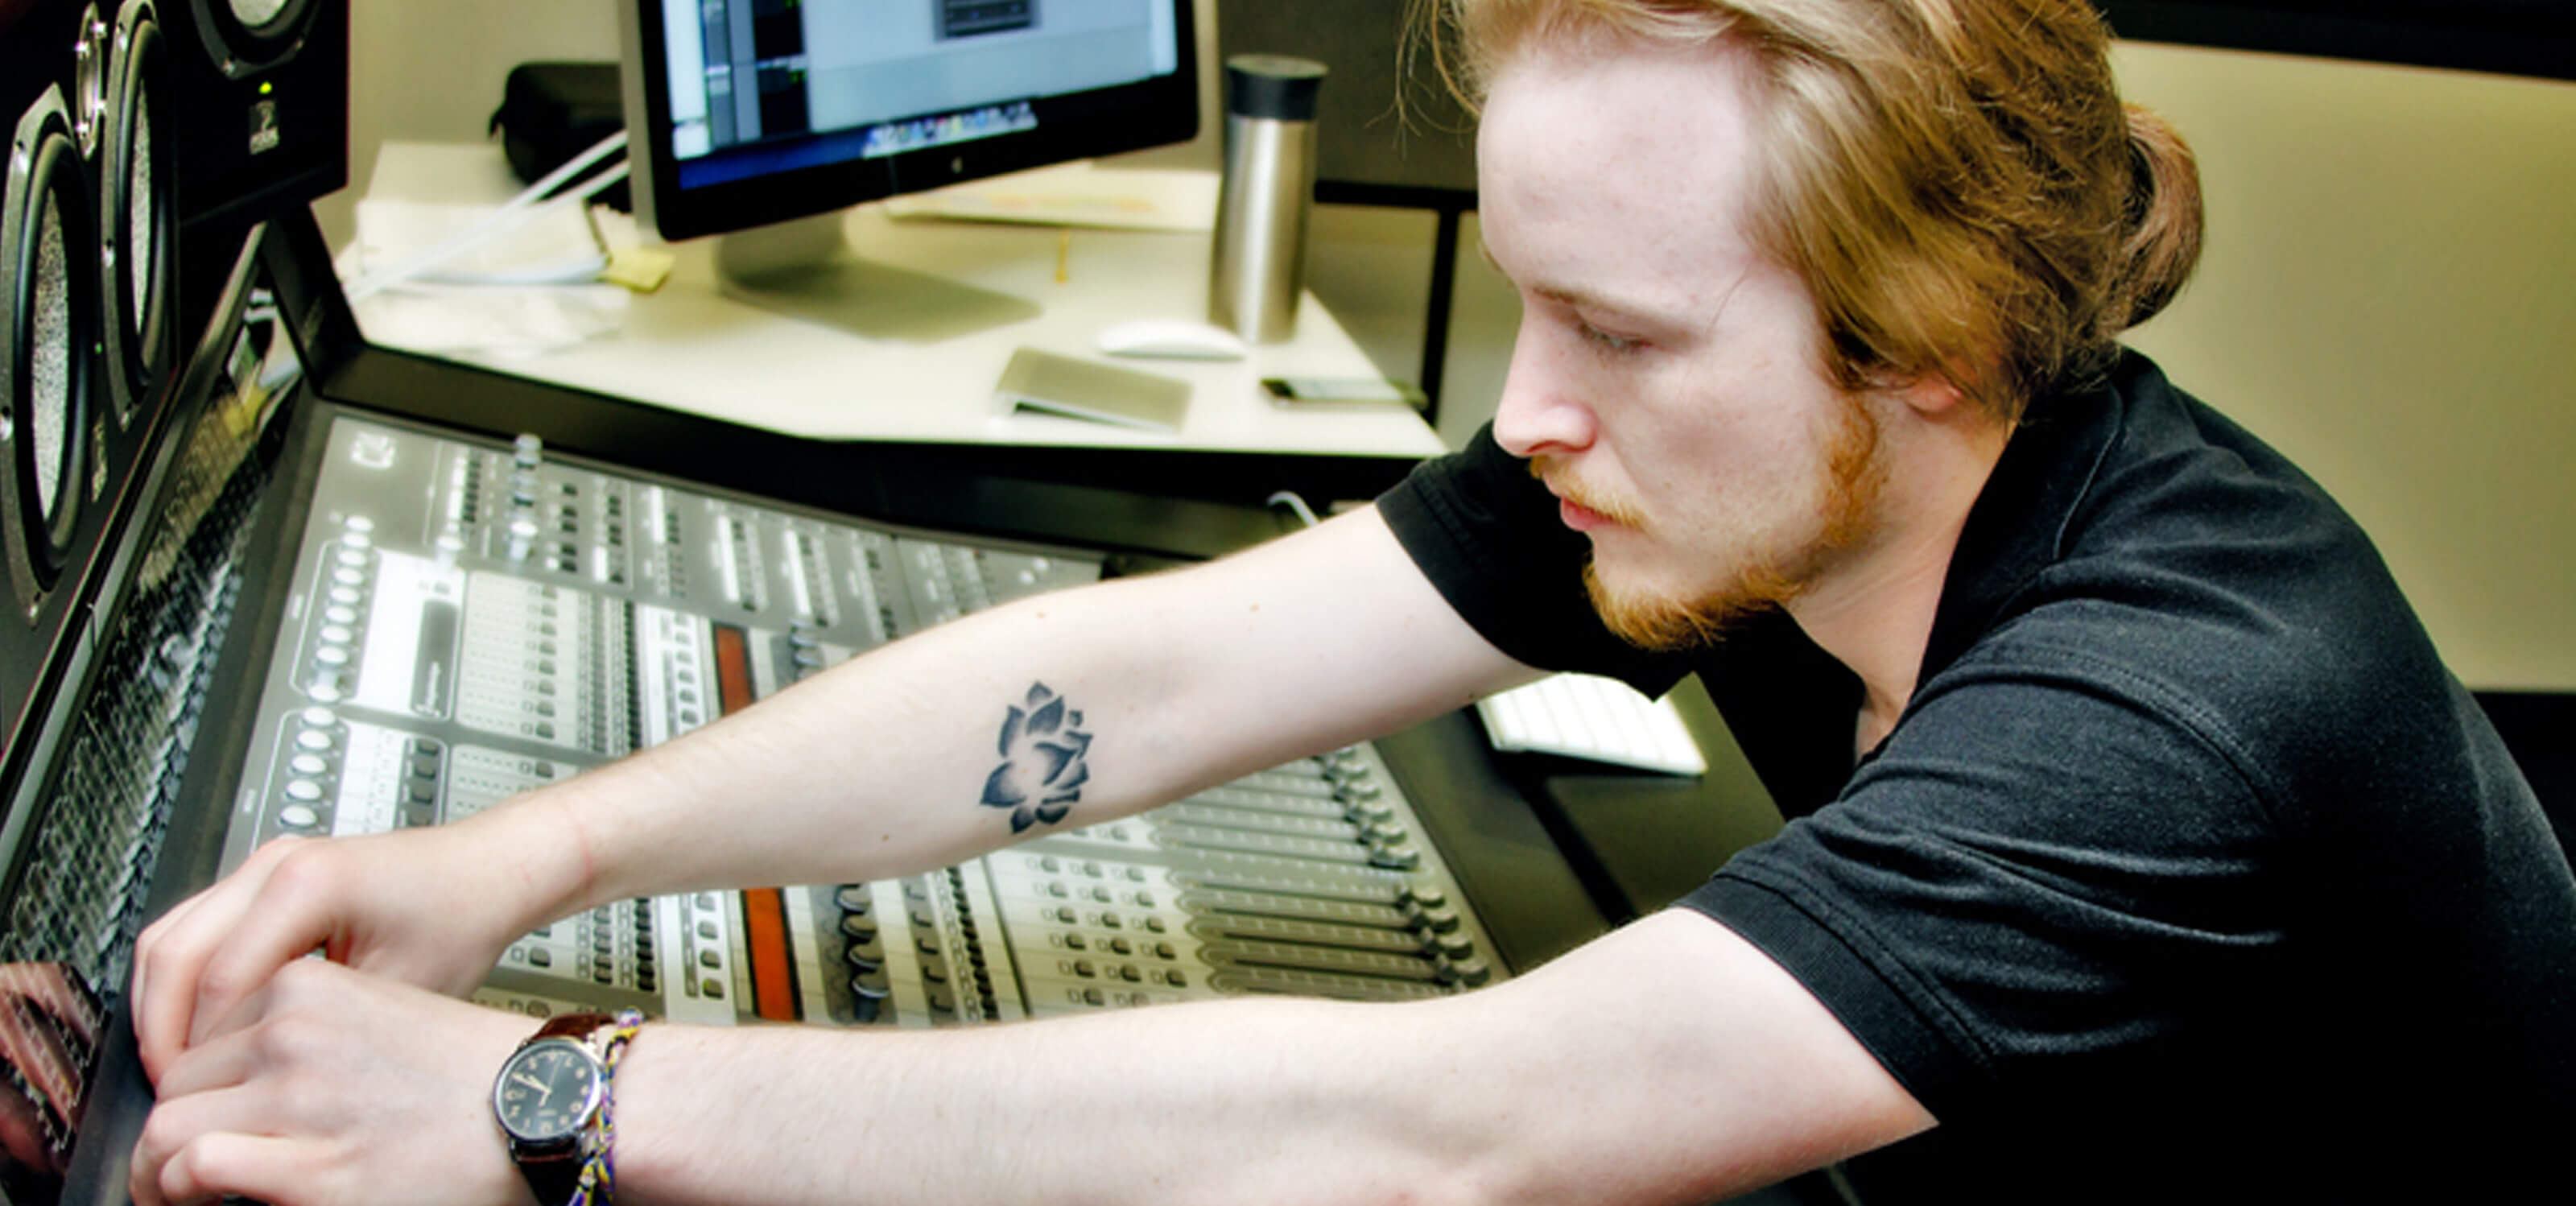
(1604, 340)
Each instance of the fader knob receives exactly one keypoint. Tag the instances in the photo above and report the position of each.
(523, 537)
(868, 993)
(1398, 858)
(1470, 971)
(1438, 921)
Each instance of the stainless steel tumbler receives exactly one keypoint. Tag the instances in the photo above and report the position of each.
(1259, 266)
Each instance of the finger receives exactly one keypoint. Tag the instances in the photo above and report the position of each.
(271, 911)
(262, 1168)
(293, 916)
(172, 951)
(219, 1063)
(175, 1123)
(190, 1151)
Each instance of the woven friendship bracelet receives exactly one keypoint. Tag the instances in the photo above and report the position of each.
(598, 1184)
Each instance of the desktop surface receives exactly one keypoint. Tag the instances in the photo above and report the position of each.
(690, 347)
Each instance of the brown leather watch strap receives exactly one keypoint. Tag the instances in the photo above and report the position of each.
(570, 1025)
(554, 1174)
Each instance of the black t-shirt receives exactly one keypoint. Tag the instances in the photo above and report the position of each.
(2187, 871)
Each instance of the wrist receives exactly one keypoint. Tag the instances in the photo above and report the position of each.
(544, 859)
(555, 1101)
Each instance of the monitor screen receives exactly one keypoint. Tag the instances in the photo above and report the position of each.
(751, 112)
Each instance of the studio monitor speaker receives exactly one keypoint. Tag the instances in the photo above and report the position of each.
(262, 125)
(266, 124)
(88, 337)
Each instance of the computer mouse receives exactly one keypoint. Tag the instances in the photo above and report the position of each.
(1170, 339)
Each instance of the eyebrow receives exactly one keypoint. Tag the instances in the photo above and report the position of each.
(1581, 299)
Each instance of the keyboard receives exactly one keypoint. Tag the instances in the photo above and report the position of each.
(1587, 716)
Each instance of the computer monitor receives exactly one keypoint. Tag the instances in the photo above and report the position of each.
(764, 119)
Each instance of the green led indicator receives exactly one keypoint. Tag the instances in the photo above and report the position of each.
(265, 87)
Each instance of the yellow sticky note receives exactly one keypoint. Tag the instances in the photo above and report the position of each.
(642, 269)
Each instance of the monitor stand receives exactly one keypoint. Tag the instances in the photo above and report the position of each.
(807, 269)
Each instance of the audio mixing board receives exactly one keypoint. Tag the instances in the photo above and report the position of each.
(470, 620)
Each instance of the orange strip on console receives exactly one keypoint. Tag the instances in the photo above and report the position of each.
(773, 966)
(733, 669)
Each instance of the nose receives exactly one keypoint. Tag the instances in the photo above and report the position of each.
(1541, 409)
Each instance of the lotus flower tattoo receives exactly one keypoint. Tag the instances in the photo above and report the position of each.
(1042, 770)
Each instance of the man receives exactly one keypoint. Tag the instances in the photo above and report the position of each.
(2145, 847)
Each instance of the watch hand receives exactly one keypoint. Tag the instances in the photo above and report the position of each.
(543, 1089)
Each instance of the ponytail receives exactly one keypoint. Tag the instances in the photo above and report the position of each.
(2163, 223)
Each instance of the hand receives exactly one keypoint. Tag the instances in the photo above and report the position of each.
(329, 1086)
(431, 907)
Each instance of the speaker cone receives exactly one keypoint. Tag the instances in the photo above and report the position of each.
(138, 216)
(245, 37)
(51, 297)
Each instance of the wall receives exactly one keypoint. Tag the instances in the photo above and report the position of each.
(2389, 296)
(2389, 285)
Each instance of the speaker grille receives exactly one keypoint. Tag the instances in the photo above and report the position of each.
(137, 215)
(51, 295)
(49, 400)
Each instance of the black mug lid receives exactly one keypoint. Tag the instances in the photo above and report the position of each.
(1276, 86)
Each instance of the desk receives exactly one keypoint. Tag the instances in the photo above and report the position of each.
(690, 348)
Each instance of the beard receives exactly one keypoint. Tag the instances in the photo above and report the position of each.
(1761, 582)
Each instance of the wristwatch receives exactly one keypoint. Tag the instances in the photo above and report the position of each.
(548, 1092)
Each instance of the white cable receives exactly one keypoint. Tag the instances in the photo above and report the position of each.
(512, 214)
(1290, 500)
(569, 271)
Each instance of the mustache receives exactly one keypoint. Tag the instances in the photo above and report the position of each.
(1561, 482)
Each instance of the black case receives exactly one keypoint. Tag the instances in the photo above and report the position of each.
(551, 112)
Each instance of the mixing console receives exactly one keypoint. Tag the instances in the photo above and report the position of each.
(471, 621)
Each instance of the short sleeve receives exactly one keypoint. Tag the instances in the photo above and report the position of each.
(1486, 533)
(2046, 873)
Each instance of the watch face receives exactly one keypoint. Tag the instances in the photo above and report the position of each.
(546, 1091)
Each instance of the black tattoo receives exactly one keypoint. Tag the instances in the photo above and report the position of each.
(1042, 770)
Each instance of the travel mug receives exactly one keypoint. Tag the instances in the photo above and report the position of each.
(1265, 195)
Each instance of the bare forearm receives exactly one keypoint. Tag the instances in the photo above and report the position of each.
(1241, 1102)
(905, 759)
(1050, 713)
(1669, 1062)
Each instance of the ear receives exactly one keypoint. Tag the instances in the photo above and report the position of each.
(1932, 396)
